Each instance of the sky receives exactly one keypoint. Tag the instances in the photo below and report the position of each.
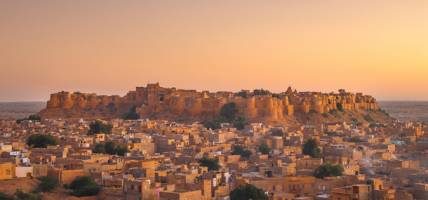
(379, 47)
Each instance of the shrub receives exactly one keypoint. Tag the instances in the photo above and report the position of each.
(247, 192)
(339, 107)
(311, 148)
(84, 186)
(41, 141)
(20, 195)
(4, 196)
(264, 149)
(132, 114)
(211, 163)
(47, 184)
(98, 126)
(34, 118)
(240, 123)
(111, 147)
(239, 150)
(327, 170)
(229, 112)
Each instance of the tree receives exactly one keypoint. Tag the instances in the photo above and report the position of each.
(311, 148)
(41, 141)
(242, 93)
(229, 112)
(327, 170)
(84, 186)
(264, 149)
(261, 92)
(239, 150)
(47, 184)
(239, 123)
(111, 147)
(211, 163)
(4, 196)
(34, 118)
(31, 117)
(98, 126)
(214, 124)
(132, 114)
(20, 195)
(339, 107)
(99, 148)
(277, 132)
(247, 192)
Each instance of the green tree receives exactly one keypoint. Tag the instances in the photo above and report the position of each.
(47, 184)
(277, 132)
(98, 126)
(212, 124)
(211, 163)
(84, 186)
(247, 192)
(229, 112)
(242, 93)
(41, 141)
(34, 118)
(111, 147)
(339, 107)
(132, 114)
(327, 170)
(240, 123)
(99, 148)
(264, 149)
(20, 195)
(239, 150)
(311, 148)
(261, 92)
(4, 196)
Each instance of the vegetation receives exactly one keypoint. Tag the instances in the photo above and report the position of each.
(84, 186)
(242, 93)
(132, 114)
(111, 147)
(240, 122)
(211, 163)
(327, 170)
(47, 184)
(214, 124)
(239, 150)
(340, 107)
(311, 148)
(98, 126)
(4, 196)
(277, 132)
(31, 117)
(41, 141)
(264, 149)
(355, 139)
(261, 92)
(20, 195)
(368, 118)
(228, 114)
(247, 192)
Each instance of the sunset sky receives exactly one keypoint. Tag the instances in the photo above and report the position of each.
(379, 47)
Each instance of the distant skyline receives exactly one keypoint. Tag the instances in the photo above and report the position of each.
(378, 47)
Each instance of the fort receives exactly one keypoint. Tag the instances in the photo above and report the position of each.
(154, 101)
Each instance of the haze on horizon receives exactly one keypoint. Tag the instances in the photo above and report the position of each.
(379, 47)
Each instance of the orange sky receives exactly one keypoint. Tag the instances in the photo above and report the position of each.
(378, 47)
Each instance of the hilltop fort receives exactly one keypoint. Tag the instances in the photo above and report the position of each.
(154, 101)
